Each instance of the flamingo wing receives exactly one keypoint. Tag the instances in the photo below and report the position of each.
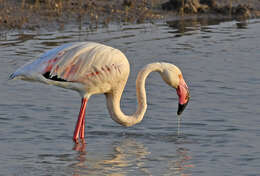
(83, 61)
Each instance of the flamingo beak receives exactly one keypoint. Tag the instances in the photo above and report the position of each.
(184, 96)
(181, 107)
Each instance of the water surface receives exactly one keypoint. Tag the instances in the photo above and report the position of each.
(219, 130)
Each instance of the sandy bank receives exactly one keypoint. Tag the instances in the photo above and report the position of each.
(54, 14)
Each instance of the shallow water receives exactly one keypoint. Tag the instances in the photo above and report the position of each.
(219, 132)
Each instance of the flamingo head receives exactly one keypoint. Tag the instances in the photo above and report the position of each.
(184, 95)
(172, 75)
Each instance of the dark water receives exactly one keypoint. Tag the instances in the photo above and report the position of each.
(220, 129)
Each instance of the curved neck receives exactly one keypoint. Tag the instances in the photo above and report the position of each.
(113, 98)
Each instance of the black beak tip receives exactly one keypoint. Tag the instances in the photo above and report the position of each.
(181, 108)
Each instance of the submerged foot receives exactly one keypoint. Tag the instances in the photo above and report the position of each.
(80, 145)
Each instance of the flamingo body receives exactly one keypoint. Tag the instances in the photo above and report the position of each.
(92, 68)
(89, 68)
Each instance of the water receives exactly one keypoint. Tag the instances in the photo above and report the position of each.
(219, 132)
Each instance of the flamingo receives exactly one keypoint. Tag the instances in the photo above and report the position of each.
(92, 68)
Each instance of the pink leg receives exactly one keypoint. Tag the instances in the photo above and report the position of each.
(82, 129)
(80, 119)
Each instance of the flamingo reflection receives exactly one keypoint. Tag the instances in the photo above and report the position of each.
(130, 156)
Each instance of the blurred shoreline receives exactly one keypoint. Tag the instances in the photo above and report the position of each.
(55, 14)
